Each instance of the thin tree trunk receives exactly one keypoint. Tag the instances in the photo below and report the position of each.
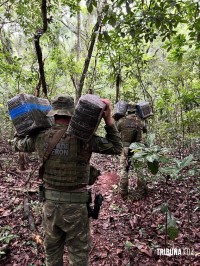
(78, 35)
(88, 58)
(118, 81)
(6, 46)
(37, 36)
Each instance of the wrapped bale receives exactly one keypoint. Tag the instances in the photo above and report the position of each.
(120, 109)
(87, 116)
(28, 113)
(144, 109)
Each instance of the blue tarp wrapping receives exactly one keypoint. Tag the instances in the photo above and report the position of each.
(28, 113)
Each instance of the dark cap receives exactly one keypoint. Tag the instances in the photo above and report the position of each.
(62, 105)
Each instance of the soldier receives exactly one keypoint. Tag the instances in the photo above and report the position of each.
(131, 128)
(66, 175)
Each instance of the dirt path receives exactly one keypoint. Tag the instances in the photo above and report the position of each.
(126, 233)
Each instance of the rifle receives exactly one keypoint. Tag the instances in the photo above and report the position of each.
(94, 212)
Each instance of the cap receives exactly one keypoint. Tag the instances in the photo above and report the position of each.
(62, 105)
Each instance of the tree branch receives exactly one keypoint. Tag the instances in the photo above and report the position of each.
(37, 36)
(4, 3)
(89, 55)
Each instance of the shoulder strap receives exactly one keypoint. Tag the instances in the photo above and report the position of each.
(56, 138)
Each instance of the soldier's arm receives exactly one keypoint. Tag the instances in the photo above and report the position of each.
(112, 143)
(25, 144)
(28, 143)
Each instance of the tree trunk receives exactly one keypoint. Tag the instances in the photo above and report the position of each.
(78, 50)
(88, 58)
(118, 81)
(6, 46)
(38, 49)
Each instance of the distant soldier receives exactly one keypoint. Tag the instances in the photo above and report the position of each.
(131, 128)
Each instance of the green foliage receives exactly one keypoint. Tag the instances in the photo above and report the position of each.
(90, 5)
(6, 236)
(128, 245)
(149, 154)
(147, 20)
(176, 166)
(157, 159)
(153, 45)
(172, 229)
(170, 222)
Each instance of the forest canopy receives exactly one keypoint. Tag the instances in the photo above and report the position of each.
(131, 50)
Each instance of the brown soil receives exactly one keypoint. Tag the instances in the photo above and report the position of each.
(127, 233)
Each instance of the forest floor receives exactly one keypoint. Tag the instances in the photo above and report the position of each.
(127, 233)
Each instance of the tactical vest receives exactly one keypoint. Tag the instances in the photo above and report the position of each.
(68, 165)
(130, 129)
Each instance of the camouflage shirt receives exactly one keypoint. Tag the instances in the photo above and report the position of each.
(130, 128)
(68, 164)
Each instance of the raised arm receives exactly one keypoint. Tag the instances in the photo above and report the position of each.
(112, 143)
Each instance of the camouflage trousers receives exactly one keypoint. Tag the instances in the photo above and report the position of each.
(141, 188)
(66, 223)
(123, 185)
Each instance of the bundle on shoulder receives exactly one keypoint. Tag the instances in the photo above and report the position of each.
(28, 113)
(87, 116)
(120, 109)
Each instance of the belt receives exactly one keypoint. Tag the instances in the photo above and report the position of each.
(70, 197)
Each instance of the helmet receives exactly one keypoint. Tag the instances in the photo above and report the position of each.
(131, 108)
(62, 105)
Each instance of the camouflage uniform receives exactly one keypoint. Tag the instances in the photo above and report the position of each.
(130, 128)
(66, 175)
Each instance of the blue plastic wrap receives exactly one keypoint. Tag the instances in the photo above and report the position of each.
(28, 113)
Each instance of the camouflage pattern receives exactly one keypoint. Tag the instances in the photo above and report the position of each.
(68, 164)
(130, 128)
(123, 185)
(64, 221)
(62, 105)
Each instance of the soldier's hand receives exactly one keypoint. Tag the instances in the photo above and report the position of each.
(107, 113)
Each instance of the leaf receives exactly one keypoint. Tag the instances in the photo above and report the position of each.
(106, 36)
(172, 229)
(112, 21)
(197, 24)
(105, 19)
(153, 166)
(157, 23)
(164, 208)
(139, 154)
(37, 239)
(152, 157)
(136, 145)
(186, 161)
(89, 5)
(172, 171)
(150, 139)
(128, 9)
(128, 244)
